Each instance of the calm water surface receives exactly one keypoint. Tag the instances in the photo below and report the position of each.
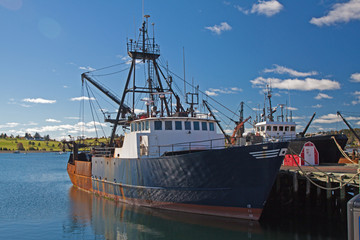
(37, 201)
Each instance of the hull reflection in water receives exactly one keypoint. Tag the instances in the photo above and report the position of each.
(115, 220)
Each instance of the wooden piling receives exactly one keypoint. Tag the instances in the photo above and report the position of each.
(328, 191)
(295, 182)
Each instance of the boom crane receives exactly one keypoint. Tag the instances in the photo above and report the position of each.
(302, 134)
(217, 122)
(347, 124)
(107, 92)
(241, 124)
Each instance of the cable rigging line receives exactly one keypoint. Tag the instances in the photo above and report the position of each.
(100, 110)
(82, 112)
(107, 67)
(204, 93)
(91, 109)
(108, 74)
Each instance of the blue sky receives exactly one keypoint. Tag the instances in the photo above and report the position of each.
(309, 50)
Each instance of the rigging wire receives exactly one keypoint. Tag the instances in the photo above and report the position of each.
(100, 110)
(221, 113)
(108, 74)
(107, 67)
(203, 93)
(82, 112)
(104, 85)
(91, 109)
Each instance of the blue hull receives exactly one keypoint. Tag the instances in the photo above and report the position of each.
(231, 182)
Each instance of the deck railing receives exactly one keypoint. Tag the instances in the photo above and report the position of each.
(179, 148)
(103, 151)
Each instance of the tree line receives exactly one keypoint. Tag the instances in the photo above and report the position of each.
(27, 136)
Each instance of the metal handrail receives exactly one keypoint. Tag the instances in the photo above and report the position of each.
(182, 146)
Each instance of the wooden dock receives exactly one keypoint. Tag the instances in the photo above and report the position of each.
(323, 189)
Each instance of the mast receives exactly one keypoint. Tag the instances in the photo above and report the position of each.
(269, 95)
(241, 119)
(146, 50)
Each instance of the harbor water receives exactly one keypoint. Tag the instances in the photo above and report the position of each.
(38, 201)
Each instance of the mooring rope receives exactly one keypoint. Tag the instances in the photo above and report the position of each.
(342, 151)
(343, 184)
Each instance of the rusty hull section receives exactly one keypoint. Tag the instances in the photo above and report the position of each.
(80, 174)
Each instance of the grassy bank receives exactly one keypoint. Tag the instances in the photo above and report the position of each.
(13, 144)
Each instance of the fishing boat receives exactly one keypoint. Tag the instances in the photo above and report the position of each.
(283, 127)
(174, 159)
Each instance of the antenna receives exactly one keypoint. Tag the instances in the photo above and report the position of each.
(184, 71)
(143, 10)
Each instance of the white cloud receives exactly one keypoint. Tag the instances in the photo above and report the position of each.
(317, 106)
(355, 77)
(284, 70)
(209, 93)
(292, 108)
(236, 89)
(38, 100)
(296, 84)
(329, 118)
(87, 68)
(217, 91)
(72, 118)
(268, 8)
(218, 29)
(241, 9)
(333, 118)
(341, 12)
(52, 120)
(9, 125)
(77, 128)
(24, 105)
(298, 117)
(30, 124)
(82, 98)
(322, 96)
(357, 98)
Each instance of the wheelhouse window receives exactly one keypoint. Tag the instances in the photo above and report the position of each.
(142, 126)
(204, 126)
(158, 125)
(262, 128)
(196, 126)
(268, 128)
(187, 125)
(147, 125)
(136, 126)
(168, 125)
(178, 125)
(281, 128)
(274, 128)
(211, 126)
(132, 127)
(286, 128)
(292, 129)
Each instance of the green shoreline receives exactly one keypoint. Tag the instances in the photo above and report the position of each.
(11, 151)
